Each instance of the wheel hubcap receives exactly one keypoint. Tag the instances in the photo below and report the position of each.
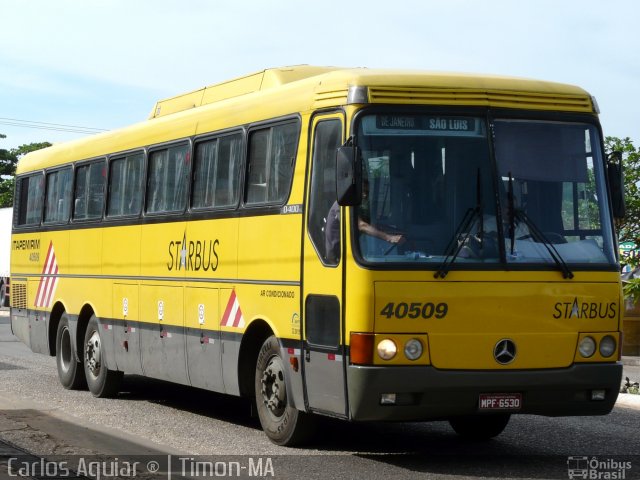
(92, 354)
(65, 350)
(274, 392)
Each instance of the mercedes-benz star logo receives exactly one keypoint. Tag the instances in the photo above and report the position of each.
(505, 351)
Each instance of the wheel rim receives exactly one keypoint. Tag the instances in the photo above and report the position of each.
(92, 354)
(65, 350)
(274, 391)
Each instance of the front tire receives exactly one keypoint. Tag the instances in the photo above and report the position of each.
(480, 427)
(70, 371)
(102, 382)
(283, 424)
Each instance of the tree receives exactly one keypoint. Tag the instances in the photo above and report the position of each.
(629, 227)
(8, 162)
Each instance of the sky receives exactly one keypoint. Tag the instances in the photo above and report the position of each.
(102, 64)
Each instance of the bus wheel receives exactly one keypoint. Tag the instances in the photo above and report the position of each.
(4, 300)
(70, 371)
(101, 381)
(480, 427)
(283, 424)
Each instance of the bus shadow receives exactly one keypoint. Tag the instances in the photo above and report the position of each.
(476, 465)
(331, 435)
(214, 405)
(410, 448)
(433, 449)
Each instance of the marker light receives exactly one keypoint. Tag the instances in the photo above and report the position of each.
(413, 349)
(587, 347)
(607, 346)
(387, 349)
(361, 348)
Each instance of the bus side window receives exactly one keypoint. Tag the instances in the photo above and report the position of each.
(204, 174)
(125, 185)
(168, 174)
(58, 196)
(228, 170)
(31, 195)
(324, 212)
(89, 193)
(271, 160)
(216, 173)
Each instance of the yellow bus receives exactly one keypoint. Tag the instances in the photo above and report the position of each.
(355, 243)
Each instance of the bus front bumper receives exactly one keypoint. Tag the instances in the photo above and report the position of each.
(426, 393)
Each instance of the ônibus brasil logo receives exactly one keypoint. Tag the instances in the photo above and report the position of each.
(593, 468)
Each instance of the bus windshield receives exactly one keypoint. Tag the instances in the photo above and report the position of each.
(437, 189)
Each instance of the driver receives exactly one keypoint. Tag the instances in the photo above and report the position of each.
(364, 220)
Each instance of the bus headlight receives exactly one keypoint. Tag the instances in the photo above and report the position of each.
(387, 349)
(607, 346)
(413, 349)
(587, 347)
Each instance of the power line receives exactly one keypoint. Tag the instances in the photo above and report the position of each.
(58, 127)
(72, 130)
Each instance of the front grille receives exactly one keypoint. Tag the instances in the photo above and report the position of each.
(19, 295)
(481, 97)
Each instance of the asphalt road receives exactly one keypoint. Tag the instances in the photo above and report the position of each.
(152, 418)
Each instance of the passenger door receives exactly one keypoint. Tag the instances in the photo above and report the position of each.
(322, 327)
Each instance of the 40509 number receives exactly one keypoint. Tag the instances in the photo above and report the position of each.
(415, 310)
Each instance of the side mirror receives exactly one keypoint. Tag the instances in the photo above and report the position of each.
(616, 184)
(348, 176)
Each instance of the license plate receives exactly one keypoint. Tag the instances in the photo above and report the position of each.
(500, 401)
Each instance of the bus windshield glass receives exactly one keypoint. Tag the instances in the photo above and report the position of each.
(432, 190)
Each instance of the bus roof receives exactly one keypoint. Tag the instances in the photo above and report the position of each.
(280, 91)
(384, 85)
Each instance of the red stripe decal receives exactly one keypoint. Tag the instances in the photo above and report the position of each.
(227, 310)
(236, 321)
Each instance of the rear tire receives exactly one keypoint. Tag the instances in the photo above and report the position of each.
(480, 427)
(283, 424)
(4, 299)
(70, 371)
(102, 382)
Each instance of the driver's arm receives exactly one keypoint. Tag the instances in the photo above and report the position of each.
(365, 227)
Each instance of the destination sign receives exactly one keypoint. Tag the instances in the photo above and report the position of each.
(451, 124)
(423, 125)
(403, 122)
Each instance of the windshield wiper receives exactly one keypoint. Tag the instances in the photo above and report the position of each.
(536, 233)
(455, 246)
(540, 237)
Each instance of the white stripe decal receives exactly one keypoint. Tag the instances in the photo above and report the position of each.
(232, 316)
(48, 280)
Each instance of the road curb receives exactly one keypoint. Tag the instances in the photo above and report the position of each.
(631, 361)
(628, 400)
